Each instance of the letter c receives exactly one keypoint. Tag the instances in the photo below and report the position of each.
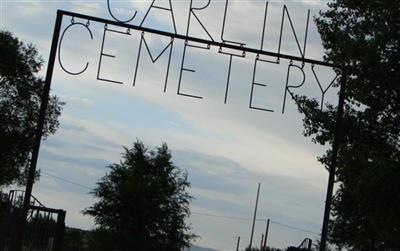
(59, 50)
(116, 19)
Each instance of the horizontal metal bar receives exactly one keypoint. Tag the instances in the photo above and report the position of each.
(46, 209)
(197, 40)
(161, 8)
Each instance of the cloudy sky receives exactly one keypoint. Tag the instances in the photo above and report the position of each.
(227, 149)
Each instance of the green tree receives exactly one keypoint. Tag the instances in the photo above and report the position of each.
(143, 201)
(20, 99)
(100, 239)
(74, 239)
(363, 38)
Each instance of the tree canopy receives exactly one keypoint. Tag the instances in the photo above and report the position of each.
(20, 99)
(143, 201)
(363, 38)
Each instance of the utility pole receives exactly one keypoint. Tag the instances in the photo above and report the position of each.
(254, 217)
(266, 235)
(238, 243)
(262, 240)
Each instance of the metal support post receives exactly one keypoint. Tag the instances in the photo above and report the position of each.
(254, 217)
(266, 235)
(333, 164)
(238, 243)
(39, 131)
(60, 231)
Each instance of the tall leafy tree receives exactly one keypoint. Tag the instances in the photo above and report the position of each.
(20, 99)
(143, 201)
(363, 38)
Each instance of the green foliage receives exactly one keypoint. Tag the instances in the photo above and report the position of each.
(20, 98)
(74, 239)
(363, 38)
(98, 239)
(101, 239)
(143, 201)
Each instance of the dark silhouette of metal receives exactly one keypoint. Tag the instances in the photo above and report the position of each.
(40, 124)
(102, 54)
(14, 197)
(73, 23)
(191, 12)
(320, 86)
(113, 16)
(332, 167)
(170, 9)
(258, 59)
(183, 68)
(205, 42)
(45, 224)
(154, 59)
(223, 27)
(192, 42)
(277, 61)
(255, 83)
(264, 26)
(302, 52)
(44, 229)
(288, 87)
(238, 243)
(229, 70)
(231, 55)
(262, 241)
(254, 217)
(304, 246)
(266, 235)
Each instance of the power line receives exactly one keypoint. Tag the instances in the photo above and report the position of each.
(65, 180)
(197, 213)
(294, 228)
(227, 216)
(250, 219)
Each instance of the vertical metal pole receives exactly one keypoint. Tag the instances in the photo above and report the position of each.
(238, 243)
(262, 240)
(43, 108)
(332, 168)
(60, 231)
(254, 217)
(266, 235)
(41, 121)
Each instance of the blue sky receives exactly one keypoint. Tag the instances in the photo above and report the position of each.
(226, 148)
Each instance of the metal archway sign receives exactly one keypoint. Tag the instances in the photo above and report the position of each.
(226, 47)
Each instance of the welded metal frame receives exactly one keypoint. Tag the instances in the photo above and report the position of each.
(188, 40)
